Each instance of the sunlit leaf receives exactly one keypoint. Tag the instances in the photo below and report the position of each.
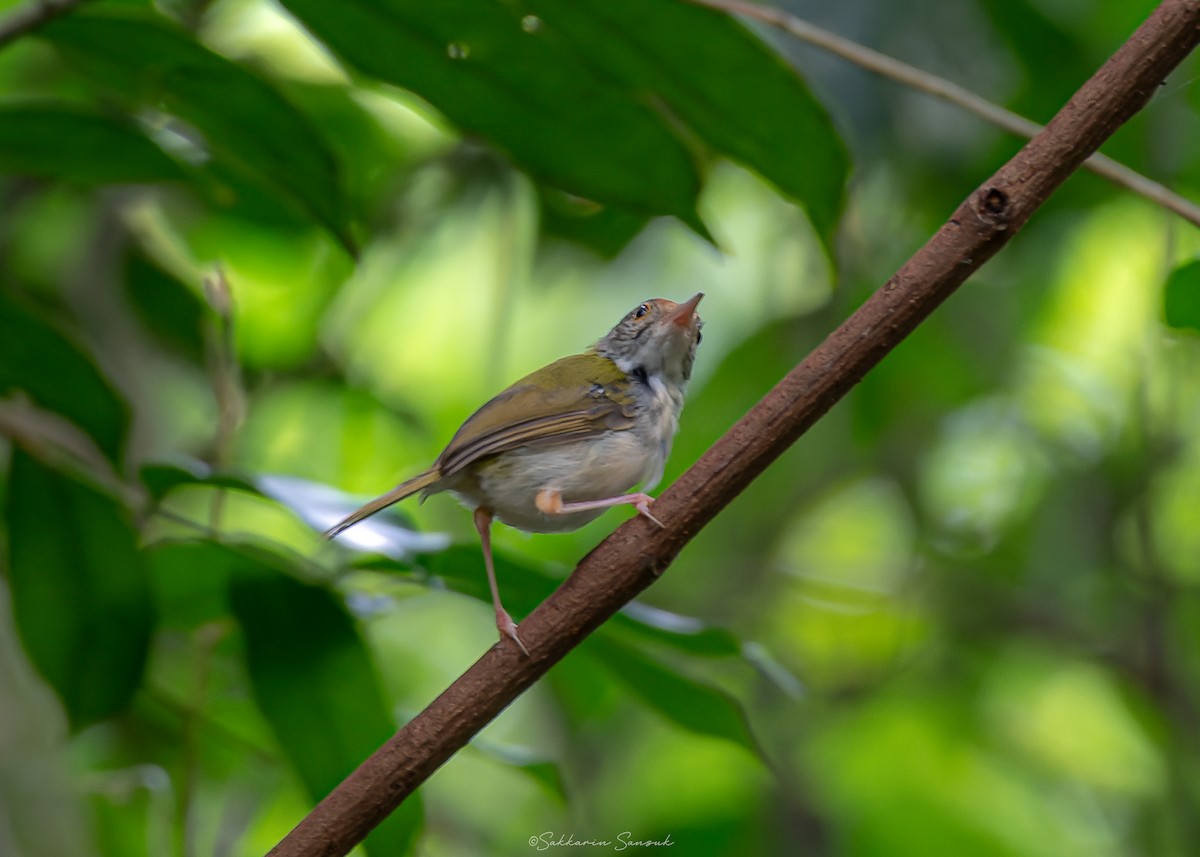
(191, 580)
(245, 122)
(39, 359)
(66, 143)
(80, 589)
(314, 681)
(321, 506)
(1181, 297)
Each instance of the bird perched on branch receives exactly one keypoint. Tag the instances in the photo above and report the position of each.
(558, 447)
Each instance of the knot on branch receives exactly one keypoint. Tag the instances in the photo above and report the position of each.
(992, 207)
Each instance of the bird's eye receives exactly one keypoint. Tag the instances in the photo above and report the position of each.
(641, 311)
(699, 335)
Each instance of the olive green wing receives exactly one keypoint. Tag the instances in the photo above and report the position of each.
(572, 399)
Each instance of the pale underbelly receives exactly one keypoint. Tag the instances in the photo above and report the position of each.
(596, 469)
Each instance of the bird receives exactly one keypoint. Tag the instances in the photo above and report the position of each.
(557, 448)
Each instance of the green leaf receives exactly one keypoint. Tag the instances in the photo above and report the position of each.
(80, 589)
(374, 158)
(36, 357)
(610, 100)
(461, 568)
(685, 633)
(735, 94)
(66, 143)
(523, 586)
(547, 774)
(149, 63)
(605, 229)
(1181, 297)
(160, 477)
(191, 581)
(690, 704)
(315, 684)
(531, 93)
(1052, 55)
(169, 310)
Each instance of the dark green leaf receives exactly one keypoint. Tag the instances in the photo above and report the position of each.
(161, 477)
(1181, 297)
(529, 92)
(316, 685)
(170, 310)
(244, 121)
(1053, 55)
(80, 589)
(707, 71)
(39, 359)
(546, 774)
(603, 228)
(191, 577)
(681, 632)
(522, 586)
(687, 703)
(64, 142)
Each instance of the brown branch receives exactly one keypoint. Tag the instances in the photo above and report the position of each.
(31, 16)
(950, 92)
(630, 560)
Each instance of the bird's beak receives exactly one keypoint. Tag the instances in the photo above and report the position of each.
(682, 314)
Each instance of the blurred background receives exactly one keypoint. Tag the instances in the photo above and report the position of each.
(259, 260)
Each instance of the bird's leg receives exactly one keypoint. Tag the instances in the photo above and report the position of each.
(549, 501)
(504, 622)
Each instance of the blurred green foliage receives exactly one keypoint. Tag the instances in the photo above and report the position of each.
(961, 616)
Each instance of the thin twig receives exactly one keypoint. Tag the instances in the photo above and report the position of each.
(205, 641)
(938, 87)
(226, 375)
(633, 557)
(31, 16)
(59, 443)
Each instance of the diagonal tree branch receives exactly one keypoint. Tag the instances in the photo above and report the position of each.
(631, 559)
(950, 92)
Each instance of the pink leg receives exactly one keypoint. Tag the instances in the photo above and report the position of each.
(504, 622)
(549, 502)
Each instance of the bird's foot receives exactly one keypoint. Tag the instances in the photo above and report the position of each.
(642, 502)
(508, 628)
(549, 501)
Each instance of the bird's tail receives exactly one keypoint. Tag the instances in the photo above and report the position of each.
(404, 489)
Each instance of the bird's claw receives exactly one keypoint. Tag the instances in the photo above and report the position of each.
(642, 504)
(508, 628)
